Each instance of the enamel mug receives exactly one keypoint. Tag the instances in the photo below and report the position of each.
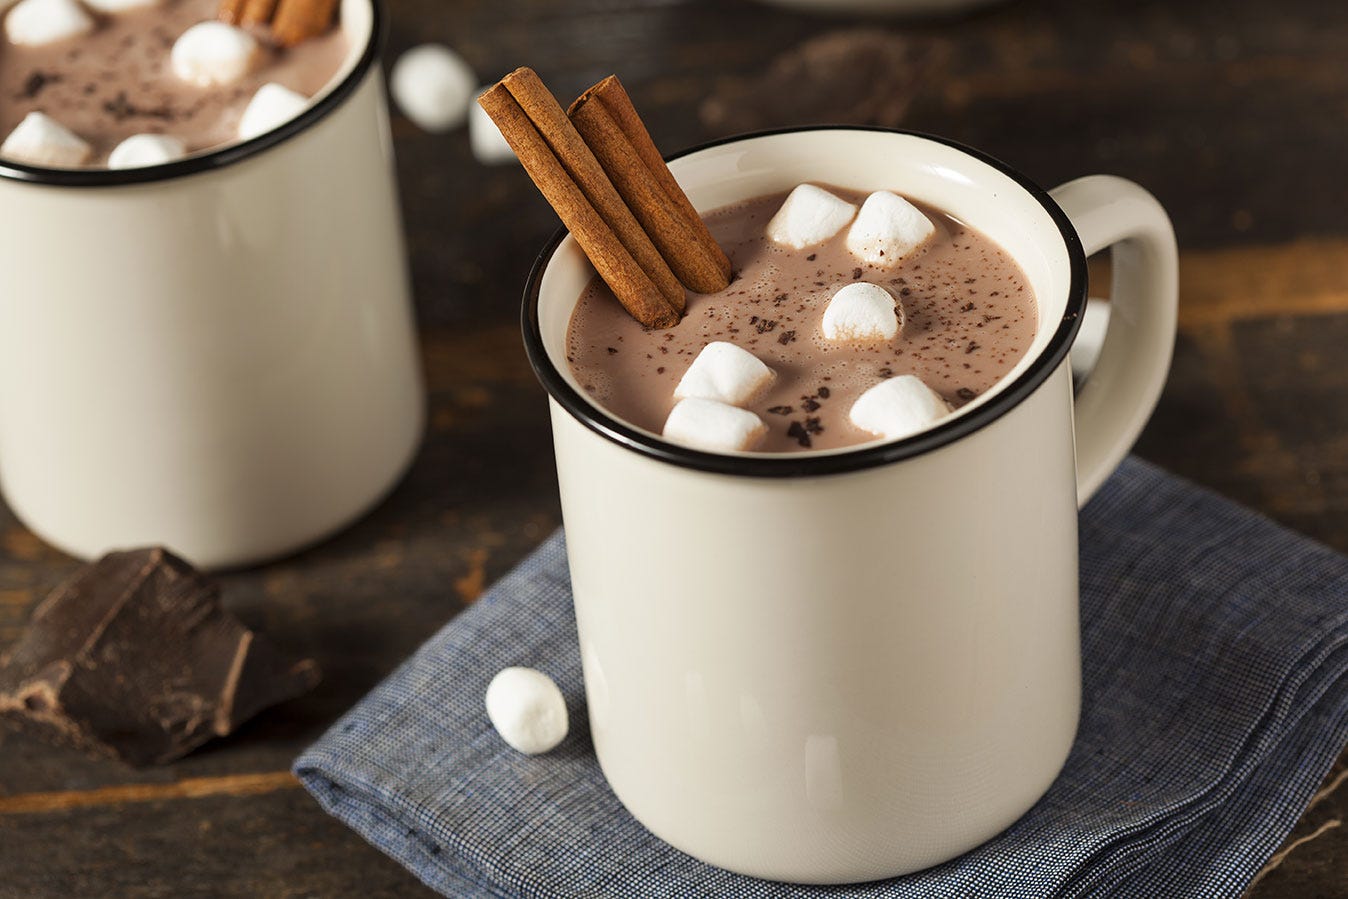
(217, 354)
(838, 666)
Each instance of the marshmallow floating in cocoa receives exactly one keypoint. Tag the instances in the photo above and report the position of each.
(271, 106)
(898, 407)
(433, 87)
(726, 373)
(527, 709)
(213, 53)
(37, 22)
(861, 311)
(142, 150)
(713, 426)
(114, 7)
(887, 229)
(810, 215)
(41, 140)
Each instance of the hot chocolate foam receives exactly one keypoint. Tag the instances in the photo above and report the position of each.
(967, 310)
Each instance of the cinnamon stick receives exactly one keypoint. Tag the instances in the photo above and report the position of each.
(591, 177)
(298, 20)
(628, 279)
(257, 12)
(690, 252)
(231, 11)
(601, 115)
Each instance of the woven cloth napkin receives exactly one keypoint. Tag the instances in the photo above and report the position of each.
(1215, 647)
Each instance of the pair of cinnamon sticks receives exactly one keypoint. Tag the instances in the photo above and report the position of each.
(292, 21)
(599, 169)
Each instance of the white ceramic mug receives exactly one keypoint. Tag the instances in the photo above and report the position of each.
(218, 354)
(838, 666)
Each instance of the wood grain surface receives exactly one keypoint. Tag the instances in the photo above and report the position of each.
(1235, 113)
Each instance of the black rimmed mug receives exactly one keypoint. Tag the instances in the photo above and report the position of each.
(217, 354)
(837, 666)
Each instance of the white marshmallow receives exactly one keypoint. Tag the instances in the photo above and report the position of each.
(887, 229)
(489, 145)
(898, 407)
(113, 7)
(712, 426)
(809, 216)
(433, 87)
(527, 709)
(725, 373)
(273, 105)
(35, 22)
(861, 311)
(142, 150)
(213, 53)
(41, 140)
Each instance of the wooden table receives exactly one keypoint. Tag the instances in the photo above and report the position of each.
(1234, 112)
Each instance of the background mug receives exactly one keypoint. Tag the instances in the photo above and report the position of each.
(217, 354)
(838, 666)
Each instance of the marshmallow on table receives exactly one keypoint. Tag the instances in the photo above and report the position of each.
(213, 53)
(527, 709)
(141, 150)
(35, 22)
(41, 140)
(809, 216)
(725, 373)
(271, 106)
(489, 145)
(712, 426)
(887, 229)
(898, 407)
(433, 87)
(861, 311)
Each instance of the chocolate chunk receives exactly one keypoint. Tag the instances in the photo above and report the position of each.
(781, 410)
(133, 658)
(802, 436)
(786, 337)
(823, 393)
(809, 404)
(965, 394)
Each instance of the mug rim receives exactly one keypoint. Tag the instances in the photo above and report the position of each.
(865, 456)
(222, 157)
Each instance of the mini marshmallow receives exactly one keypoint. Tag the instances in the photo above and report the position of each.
(433, 87)
(271, 106)
(142, 150)
(41, 140)
(489, 145)
(809, 216)
(213, 53)
(527, 709)
(712, 426)
(35, 22)
(726, 373)
(887, 229)
(861, 311)
(898, 407)
(113, 7)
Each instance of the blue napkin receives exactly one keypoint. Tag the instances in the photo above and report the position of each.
(1216, 700)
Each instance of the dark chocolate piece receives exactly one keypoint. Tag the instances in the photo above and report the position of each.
(133, 658)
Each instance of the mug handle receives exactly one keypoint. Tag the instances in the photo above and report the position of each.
(1126, 382)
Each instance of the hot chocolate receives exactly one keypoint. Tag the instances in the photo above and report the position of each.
(117, 79)
(965, 314)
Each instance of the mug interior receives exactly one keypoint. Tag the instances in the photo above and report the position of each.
(967, 185)
(363, 23)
